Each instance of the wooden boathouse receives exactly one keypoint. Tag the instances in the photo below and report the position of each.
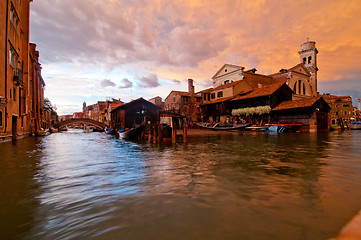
(133, 114)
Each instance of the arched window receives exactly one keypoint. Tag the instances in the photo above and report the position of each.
(299, 87)
(304, 89)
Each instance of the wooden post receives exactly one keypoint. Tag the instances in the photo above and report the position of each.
(155, 137)
(174, 133)
(160, 134)
(185, 128)
(150, 133)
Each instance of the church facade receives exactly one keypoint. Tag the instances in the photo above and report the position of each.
(302, 78)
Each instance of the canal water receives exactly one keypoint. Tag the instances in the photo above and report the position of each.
(75, 185)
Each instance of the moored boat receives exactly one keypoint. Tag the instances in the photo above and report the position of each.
(132, 134)
(257, 128)
(42, 132)
(355, 125)
(223, 127)
(88, 129)
(109, 131)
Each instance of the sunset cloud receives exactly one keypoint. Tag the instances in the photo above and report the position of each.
(150, 81)
(153, 42)
(126, 83)
(107, 83)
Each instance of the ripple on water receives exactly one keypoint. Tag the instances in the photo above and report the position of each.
(93, 186)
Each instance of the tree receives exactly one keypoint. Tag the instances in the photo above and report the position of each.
(48, 105)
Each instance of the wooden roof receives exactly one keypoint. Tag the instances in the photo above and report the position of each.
(259, 92)
(301, 103)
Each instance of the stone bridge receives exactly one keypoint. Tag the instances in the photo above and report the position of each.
(96, 124)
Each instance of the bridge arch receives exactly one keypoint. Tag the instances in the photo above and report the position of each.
(96, 124)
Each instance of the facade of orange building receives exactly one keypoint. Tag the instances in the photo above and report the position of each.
(38, 115)
(22, 109)
(14, 68)
(341, 108)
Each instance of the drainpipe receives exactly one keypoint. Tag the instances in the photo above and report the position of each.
(6, 63)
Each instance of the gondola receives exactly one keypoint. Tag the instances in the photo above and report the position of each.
(132, 134)
(223, 127)
(355, 125)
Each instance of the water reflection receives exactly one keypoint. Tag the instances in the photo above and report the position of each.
(262, 186)
(18, 164)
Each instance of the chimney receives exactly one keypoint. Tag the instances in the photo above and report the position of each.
(190, 87)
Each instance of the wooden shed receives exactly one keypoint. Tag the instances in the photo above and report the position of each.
(312, 113)
(133, 114)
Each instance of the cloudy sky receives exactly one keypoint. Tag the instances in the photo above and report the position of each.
(98, 49)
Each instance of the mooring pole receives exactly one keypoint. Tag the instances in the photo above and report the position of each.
(185, 129)
(174, 133)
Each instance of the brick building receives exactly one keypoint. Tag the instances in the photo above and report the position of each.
(21, 85)
(184, 103)
(341, 108)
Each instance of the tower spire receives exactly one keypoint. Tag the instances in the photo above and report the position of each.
(308, 57)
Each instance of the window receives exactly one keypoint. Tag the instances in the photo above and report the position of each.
(227, 81)
(205, 96)
(14, 94)
(220, 94)
(173, 98)
(14, 19)
(299, 87)
(304, 61)
(345, 105)
(333, 121)
(213, 95)
(309, 59)
(345, 112)
(304, 89)
(13, 58)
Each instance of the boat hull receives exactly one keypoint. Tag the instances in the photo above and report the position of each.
(225, 127)
(355, 125)
(132, 134)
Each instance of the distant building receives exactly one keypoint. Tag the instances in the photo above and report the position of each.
(110, 106)
(157, 101)
(341, 108)
(65, 117)
(248, 80)
(99, 111)
(184, 103)
(356, 114)
(78, 115)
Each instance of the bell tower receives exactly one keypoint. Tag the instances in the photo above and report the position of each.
(308, 57)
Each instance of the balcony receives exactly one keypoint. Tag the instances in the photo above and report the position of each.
(18, 77)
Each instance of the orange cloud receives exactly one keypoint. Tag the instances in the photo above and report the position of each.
(192, 39)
